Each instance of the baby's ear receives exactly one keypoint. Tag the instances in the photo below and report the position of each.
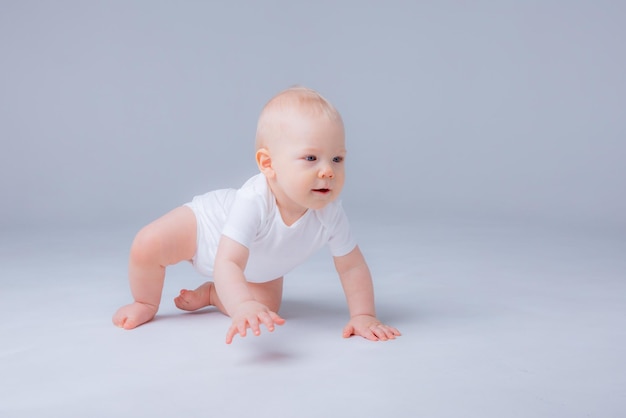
(264, 161)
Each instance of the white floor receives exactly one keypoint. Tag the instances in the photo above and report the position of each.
(498, 321)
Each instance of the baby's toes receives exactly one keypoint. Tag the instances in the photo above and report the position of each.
(125, 322)
(131, 323)
(119, 321)
(131, 316)
(181, 300)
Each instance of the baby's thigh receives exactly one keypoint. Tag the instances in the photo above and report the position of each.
(269, 293)
(171, 238)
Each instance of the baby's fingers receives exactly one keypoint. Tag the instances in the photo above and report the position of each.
(270, 319)
(393, 331)
(373, 332)
(384, 332)
(368, 334)
(348, 331)
(232, 331)
(276, 318)
(267, 320)
(364, 332)
(240, 327)
(379, 332)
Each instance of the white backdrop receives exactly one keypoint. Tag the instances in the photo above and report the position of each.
(114, 112)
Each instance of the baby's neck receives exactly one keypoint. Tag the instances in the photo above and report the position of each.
(290, 219)
(289, 211)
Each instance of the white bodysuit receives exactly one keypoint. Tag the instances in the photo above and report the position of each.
(250, 217)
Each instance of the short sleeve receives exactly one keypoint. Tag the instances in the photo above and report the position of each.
(245, 217)
(340, 241)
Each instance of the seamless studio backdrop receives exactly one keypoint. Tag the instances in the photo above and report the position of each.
(486, 184)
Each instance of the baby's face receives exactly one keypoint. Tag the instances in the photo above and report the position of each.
(309, 163)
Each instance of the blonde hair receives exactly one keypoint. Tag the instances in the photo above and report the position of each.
(280, 108)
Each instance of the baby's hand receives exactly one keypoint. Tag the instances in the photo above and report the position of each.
(251, 314)
(369, 327)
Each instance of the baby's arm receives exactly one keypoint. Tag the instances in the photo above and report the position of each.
(357, 285)
(233, 291)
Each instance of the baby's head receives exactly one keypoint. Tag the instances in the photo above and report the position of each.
(295, 102)
(300, 145)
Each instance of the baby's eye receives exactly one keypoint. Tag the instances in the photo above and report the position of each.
(337, 159)
(310, 158)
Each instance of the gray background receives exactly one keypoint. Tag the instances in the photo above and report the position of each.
(112, 113)
(486, 188)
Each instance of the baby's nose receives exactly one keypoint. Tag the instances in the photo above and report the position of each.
(326, 172)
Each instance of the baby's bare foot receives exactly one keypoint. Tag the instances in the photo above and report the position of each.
(191, 300)
(133, 315)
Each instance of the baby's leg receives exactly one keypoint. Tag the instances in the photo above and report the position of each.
(270, 294)
(166, 241)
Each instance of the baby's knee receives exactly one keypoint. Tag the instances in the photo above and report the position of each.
(146, 245)
(270, 293)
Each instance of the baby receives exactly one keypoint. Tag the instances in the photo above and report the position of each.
(248, 239)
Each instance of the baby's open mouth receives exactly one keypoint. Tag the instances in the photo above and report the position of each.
(321, 190)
